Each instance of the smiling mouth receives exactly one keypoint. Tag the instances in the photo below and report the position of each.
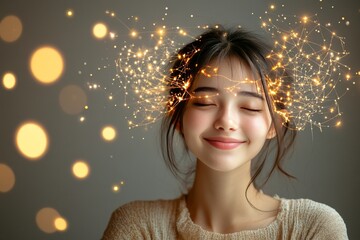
(224, 143)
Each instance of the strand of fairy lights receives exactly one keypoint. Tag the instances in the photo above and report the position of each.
(303, 47)
(313, 55)
(142, 73)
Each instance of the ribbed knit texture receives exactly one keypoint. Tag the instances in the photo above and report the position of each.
(170, 219)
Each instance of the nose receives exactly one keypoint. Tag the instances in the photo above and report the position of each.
(227, 119)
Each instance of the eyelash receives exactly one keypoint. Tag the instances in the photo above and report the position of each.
(202, 104)
(252, 110)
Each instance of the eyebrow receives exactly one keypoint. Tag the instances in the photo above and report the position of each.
(242, 93)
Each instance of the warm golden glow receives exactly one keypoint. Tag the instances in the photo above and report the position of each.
(305, 19)
(7, 178)
(161, 32)
(10, 28)
(72, 99)
(133, 33)
(45, 219)
(60, 224)
(80, 169)
(108, 133)
(9, 80)
(100, 30)
(338, 124)
(117, 187)
(70, 13)
(46, 64)
(32, 140)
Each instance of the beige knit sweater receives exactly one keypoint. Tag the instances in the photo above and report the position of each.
(170, 219)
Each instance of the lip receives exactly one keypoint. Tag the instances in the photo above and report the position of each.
(224, 143)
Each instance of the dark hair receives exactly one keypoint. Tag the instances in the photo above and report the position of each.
(218, 43)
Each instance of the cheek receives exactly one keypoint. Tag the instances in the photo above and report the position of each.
(256, 126)
(194, 120)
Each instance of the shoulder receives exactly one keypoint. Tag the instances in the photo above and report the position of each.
(316, 219)
(141, 218)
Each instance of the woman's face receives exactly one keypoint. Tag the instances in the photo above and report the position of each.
(226, 120)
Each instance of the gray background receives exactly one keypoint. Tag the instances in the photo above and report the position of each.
(326, 164)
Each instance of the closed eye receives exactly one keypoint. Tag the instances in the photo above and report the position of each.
(203, 104)
(251, 109)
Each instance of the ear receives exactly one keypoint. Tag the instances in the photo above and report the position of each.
(177, 127)
(278, 123)
(272, 132)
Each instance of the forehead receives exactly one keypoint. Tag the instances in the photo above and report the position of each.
(229, 74)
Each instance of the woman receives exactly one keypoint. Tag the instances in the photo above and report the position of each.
(224, 106)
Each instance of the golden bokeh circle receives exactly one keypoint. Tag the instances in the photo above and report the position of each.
(100, 30)
(9, 80)
(81, 169)
(46, 64)
(10, 28)
(7, 178)
(60, 224)
(32, 140)
(72, 99)
(45, 219)
(70, 13)
(108, 133)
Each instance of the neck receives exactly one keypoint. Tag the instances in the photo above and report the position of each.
(219, 201)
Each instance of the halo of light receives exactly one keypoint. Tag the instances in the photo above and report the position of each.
(81, 169)
(60, 224)
(70, 13)
(100, 30)
(45, 219)
(9, 80)
(72, 99)
(32, 140)
(108, 133)
(10, 28)
(116, 188)
(46, 64)
(7, 178)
